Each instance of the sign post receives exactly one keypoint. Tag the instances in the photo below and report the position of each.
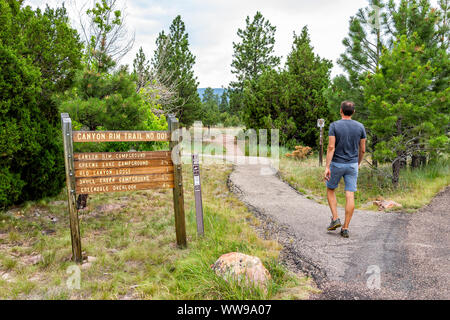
(104, 172)
(321, 125)
(70, 182)
(178, 194)
(198, 195)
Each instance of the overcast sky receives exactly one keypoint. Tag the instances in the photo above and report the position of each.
(212, 26)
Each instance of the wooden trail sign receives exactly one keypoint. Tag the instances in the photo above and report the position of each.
(119, 136)
(104, 172)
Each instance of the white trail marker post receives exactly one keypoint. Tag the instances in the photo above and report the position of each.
(321, 125)
(198, 195)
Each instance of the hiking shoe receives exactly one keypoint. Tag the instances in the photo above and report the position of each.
(344, 233)
(334, 224)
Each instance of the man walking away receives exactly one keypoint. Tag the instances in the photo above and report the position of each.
(346, 148)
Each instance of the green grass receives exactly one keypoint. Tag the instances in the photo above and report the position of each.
(134, 247)
(416, 188)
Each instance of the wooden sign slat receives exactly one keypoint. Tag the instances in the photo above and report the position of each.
(81, 182)
(102, 156)
(124, 187)
(121, 164)
(119, 136)
(84, 173)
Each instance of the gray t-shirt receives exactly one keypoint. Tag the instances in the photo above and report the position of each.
(348, 135)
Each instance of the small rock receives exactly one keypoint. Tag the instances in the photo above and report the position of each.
(7, 277)
(33, 259)
(54, 219)
(386, 204)
(86, 265)
(245, 269)
(91, 259)
(48, 232)
(13, 212)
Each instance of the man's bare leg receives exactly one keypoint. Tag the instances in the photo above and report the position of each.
(349, 208)
(332, 202)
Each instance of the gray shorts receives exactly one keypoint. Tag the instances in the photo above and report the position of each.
(347, 170)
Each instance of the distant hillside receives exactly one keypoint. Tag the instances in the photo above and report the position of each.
(218, 91)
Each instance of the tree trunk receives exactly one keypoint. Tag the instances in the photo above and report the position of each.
(82, 201)
(402, 163)
(423, 161)
(415, 161)
(373, 145)
(396, 166)
(418, 160)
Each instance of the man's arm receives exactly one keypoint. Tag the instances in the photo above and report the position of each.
(362, 150)
(330, 154)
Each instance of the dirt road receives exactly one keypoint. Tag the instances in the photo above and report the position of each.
(406, 255)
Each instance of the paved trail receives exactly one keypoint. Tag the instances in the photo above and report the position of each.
(411, 251)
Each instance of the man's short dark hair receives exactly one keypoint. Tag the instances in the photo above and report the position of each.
(348, 108)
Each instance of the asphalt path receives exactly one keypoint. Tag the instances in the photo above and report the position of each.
(388, 255)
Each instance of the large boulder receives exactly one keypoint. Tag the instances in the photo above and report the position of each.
(245, 269)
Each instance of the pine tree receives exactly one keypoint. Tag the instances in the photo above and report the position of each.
(443, 43)
(210, 96)
(252, 55)
(364, 46)
(141, 70)
(38, 52)
(383, 23)
(174, 59)
(106, 101)
(291, 100)
(255, 51)
(224, 104)
(405, 113)
(47, 39)
(106, 37)
(340, 90)
(309, 76)
(379, 26)
(431, 28)
(210, 108)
